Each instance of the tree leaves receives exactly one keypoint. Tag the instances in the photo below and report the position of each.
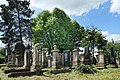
(54, 28)
(15, 23)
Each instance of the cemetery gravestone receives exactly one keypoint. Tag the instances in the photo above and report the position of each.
(40, 57)
(75, 58)
(27, 58)
(35, 64)
(113, 58)
(66, 58)
(13, 58)
(81, 59)
(44, 61)
(87, 56)
(55, 62)
(49, 61)
(101, 59)
(19, 51)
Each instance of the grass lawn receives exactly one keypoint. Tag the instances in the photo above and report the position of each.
(106, 74)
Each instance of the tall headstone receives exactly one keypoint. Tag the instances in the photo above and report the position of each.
(62, 59)
(113, 58)
(87, 56)
(19, 60)
(49, 61)
(9, 59)
(27, 58)
(40, 57)
(55, 62)
(13, 58)
(66, 58)
(19, 51)
(44, 58)
(101, 59)
(35, 64)
(81, 58)
(118, 61)
(75, 59)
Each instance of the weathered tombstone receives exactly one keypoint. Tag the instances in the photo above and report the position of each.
(19, 51)
(87, 56)
(35, 64)
(19, 60)
(97, 58)
(9, 59)
(55, 62)
(101, 59)
(113, 58)
(44, 61)
(81, 59)
(117, 61)
(40, 57)
(62, 59)
(75, 59)
(66, 58)
(27, 57)
(13, 58)
(49, 61)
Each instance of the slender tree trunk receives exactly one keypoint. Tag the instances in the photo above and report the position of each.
(19, 25)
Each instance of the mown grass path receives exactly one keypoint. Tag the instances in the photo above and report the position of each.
(105, 74)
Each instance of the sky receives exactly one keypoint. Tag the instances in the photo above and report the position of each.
(102, 14)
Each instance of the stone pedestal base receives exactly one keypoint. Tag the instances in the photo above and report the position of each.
(35, 68)
(55, 64)
(26, 67)
(75, 57)
(101, 65)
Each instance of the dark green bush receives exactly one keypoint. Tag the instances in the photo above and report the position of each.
(2, 59)
(86, 69)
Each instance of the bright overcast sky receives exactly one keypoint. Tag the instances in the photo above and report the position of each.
(103, 14)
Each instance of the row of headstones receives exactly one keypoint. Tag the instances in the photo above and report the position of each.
(66, 59)
(74, 59)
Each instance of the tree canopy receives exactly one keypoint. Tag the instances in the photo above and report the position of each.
(15, 22)
(94, 38)
(56, 28)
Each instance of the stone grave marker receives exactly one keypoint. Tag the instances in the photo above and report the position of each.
(19, 51)
(87, 56)
(66, 58)
(44, 58)
(49, 58)
(75, 58)
(101, 59)
(35, 64)
(113, 58)
(27, 57)
(81, 58)
(55, 58)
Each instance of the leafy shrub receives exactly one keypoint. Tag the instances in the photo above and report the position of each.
(2, 59)
(86, 69)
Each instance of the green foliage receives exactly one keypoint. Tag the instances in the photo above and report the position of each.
(94, 38)
(56, 28)
(2, 56)
(116, 47)
(2, 59)
(15, 22)
(2, 52)
(86, 69)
